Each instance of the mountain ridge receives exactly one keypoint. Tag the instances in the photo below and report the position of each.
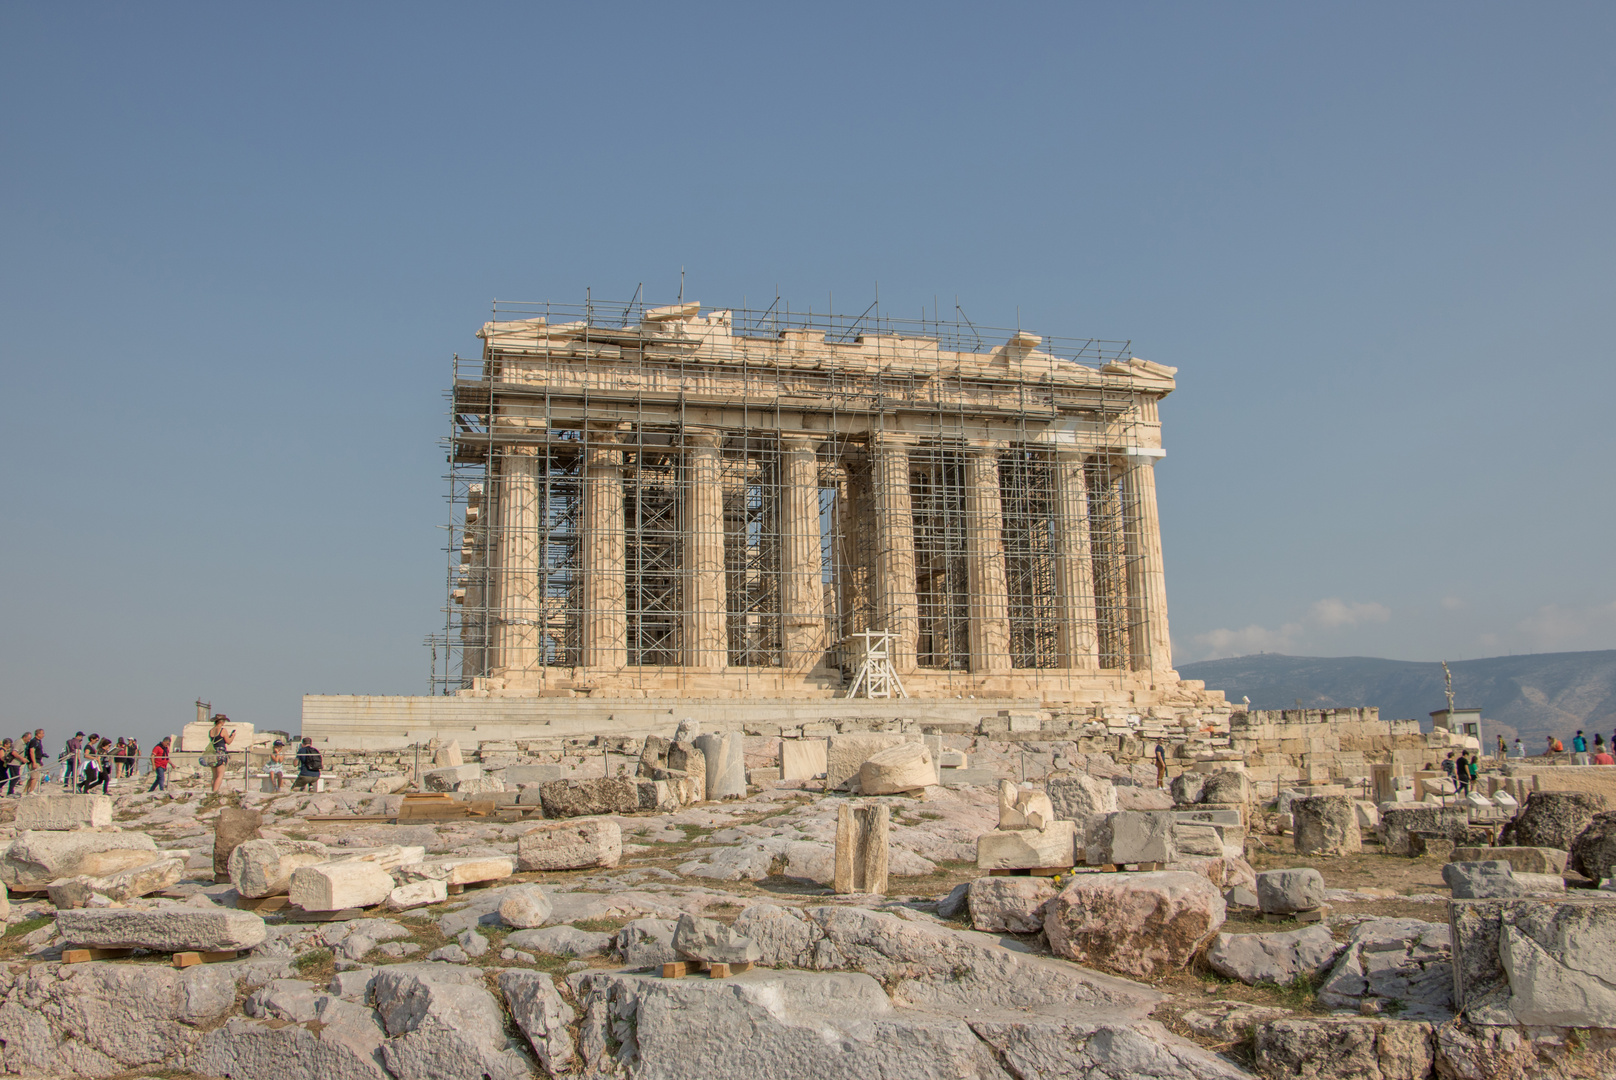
(1531, 695)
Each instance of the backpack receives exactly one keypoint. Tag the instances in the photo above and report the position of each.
(1557, 747)
(310, 760)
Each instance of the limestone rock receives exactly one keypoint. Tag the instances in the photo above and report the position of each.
(1407, 961)
(803, 759)
(1555, 818)
(1025, 849)
(726, 765)
(1229, 1021)
(1009, 904)
(35, 859)
(122, 886)
(1138, 925)
(54, 813)
(449, 754)
(1398, 824)
(1345, 1049)
(563, 940)
(1226, 786)
(1273, 958)
(1368, 814)
(1593, 852)
(845, 755)
(646, 943)
(466, 871)
(570, 845)
(543, 1016)
(906, 767)
(1492, 879)
(712, 941)
(525, 907)
(1283, 892)
(173, 929)
(1081, 798)
(260, 868)
(442, 1021)
(1186, 788)
(234, 826)
(956, 903)
(1524, 860)
(1131, 836)
(413, 894)
(1325, 825)
(1193, 839)
(586, 798)
(342, 1049)
(450, 777)
(863, 852)
(1535, 962)
(334, 886)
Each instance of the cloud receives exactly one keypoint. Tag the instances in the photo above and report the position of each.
(1330, 613)
(1553, 627)
(1452, 603)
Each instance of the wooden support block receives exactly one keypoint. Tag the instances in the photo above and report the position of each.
(456, 889)
(718, 970)
(1316, 915)
(744, 965)
(262, 903)
(84, 956)
(676, 970)
(294, 914)
(1049, 871)
(191, 959)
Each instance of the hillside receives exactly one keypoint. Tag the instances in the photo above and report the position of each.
(1532, 695)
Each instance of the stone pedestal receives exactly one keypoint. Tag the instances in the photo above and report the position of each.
(984, 562)
(862, 834)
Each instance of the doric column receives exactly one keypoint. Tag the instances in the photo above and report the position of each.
(605, 621)
(706, 639)
(1151, 648)
(802, 596)
(984, 561)
(1074, 565)
(897, 610)
(516, 628)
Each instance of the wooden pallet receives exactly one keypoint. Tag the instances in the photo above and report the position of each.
(681, 968)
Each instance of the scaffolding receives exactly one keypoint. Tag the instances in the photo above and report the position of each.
(578, 420)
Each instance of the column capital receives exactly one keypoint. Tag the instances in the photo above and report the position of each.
(985, 446)
(1142, 455)
(707, 437)
(896, 439)
(797, 441)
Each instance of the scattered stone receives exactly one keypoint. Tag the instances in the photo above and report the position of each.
(1525, 860)
(442, 1021)
(1186, 788)
(543, 1016)
(1492, 879)
(336, 886)
(1285, 892)
(54, 813)
(803, 759)
(525, 907)
(1274, 958)
(1403, 960)
(1367, 813)
(647, 943)
(1399, 824)
(1554, 818)
(726, 765)
(173, 929)
(1535, 962)
(845, 755)
(1027, 849)
(1139, 925)
(1023, 808)
(120, 887)
(234, 826)
(862, 849)
(473, 942)
(468, 871)
(955, 903)
(1081, 798)
(1348, 1049)
(1325, 825)
(1131, 836)
(449, 954)
(570, 845)
(909, 766)
(563, 940)
(1593, 852)
(588, 798)
(1227, 787)
(1009, 904)
(260, 868)
(1229, 1021)
(414, 894)
(1241, 896)
(450, 777)
(35, 859)
(711, 941)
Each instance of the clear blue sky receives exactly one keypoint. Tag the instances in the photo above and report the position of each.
(241, 243)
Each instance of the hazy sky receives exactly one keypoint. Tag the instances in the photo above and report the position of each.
(241, 243)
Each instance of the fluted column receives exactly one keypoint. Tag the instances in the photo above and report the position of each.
(605, 620)
(706, 638)
(984, 562)
(517, 615)
(897, 610)
(1075, 634)
(1150, 645)
(802, 596)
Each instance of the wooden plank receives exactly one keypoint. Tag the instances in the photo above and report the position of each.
(295, 914)
(262, 903)
(191, 959)
(84, 956)
(677, 970)
(1049, 871)
(352, 818)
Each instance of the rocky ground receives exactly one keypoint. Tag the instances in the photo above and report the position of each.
(891, 986)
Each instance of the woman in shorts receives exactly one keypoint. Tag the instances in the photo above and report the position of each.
(277, 764)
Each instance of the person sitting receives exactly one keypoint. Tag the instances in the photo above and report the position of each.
(1604, 758)
(309, 764)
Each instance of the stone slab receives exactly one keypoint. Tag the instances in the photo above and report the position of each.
(1524, 860)
(1027, 849)
(62, 812)
(803, 759)
(570, 845)
(37, 858)
(168, 929)
(1537, 962)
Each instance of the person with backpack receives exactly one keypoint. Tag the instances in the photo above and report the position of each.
(34, 757)
(159, 766)
(218, 752)
(1579, 745)
(1461, 771)
(309, 764)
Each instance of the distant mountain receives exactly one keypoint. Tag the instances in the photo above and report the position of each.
(1532, 695)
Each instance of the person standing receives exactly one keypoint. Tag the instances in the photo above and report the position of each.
(109, 763)
(1161, 765)
(1579, 745)
(10, 766)
(34, 758)
(1461, 771)
(218, 754)
(118, 752)
(1502, 752)
(309, 764)
(1475, 770)
(71, 760)
(1520, 751)
(133, 758)
(159, 765)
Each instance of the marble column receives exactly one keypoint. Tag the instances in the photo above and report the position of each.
(1150, 646)
(984, 562)
(706, 637)
(1075, 634)
(897, 609)
(802, 594)
(516, 628)
(605, 591)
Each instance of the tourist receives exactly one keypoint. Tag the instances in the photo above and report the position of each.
(10, 766)
(1599, 743)
(132, 752)
(108, 761)
(1520, 751)
(1579, 745)
(218, 752)
(277, 764)
(70, 759)
(91, 775)
(309, 764)
(1447, 766)
(1461, 769)
(1475, 770)
(1555, 747)
(34, 758)
(1161, 765)
(1602, 756)
(159, 766)
(123, 757)
(1502, 750)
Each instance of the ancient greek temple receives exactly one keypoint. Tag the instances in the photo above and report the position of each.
(717, 503)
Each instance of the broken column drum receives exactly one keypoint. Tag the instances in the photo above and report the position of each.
(862, 854)
(693, 502)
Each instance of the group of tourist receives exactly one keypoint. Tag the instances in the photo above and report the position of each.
(1601, 755)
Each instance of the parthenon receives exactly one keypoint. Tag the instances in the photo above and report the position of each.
(688, 502)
